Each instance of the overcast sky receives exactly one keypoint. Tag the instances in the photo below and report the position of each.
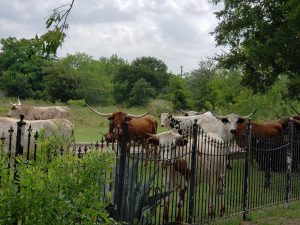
(175, 31)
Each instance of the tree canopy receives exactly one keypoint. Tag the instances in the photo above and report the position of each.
(263, 37)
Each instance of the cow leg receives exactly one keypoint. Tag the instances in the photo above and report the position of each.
(267, 178)
(166, 213)
(180, 203)
(222, 193)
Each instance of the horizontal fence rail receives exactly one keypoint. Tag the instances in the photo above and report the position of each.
(196, 182)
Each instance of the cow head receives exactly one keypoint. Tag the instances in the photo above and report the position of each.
(16, 109)
(116, 120)
(231, 121)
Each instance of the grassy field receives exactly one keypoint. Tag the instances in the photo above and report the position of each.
(87, 124)
(276, 215)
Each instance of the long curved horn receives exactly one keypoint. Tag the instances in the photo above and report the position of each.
(183, 111)
(152, 135)
(293, 108)
(99, 113)
(12, 104)
(19, 102)
(138, 116)
(251, 114)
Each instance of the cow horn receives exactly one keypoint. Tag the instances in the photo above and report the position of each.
(293, 108)
(138, 116)
(12, 104)
(19, 102)
(251, 114)
(100, 114)
(152, 135)
(182, 111)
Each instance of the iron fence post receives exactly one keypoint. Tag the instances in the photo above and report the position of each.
(20, 136)
(122, 161)
(289, 158)
(19, 151)
(246, 171)
(192, 178)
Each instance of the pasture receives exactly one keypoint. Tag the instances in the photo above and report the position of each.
(88, 124)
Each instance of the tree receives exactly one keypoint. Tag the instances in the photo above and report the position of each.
(198, 82)
(151, 70)
(141, 93)
(263, 37)
(22, 61)
(179, 93)
(61, 83)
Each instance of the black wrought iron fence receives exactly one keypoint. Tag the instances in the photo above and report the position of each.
(191, 183)
(163, 184)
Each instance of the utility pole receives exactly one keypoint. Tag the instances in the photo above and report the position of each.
(181, 71)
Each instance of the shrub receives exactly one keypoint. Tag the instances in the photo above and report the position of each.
(56, 189)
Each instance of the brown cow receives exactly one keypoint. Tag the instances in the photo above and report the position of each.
(268, 135)
(139, 126)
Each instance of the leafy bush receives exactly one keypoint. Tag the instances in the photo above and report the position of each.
(56, 189)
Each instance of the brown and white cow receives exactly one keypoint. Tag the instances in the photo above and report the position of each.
(175, 156)
(38, 113)
(139, 126)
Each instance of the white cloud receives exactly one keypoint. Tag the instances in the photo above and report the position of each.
(175, 31)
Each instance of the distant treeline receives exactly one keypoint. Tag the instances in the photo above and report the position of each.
(27, 72)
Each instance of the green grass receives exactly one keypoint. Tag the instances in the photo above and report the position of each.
(275, 215)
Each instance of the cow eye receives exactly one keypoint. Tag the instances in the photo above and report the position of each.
(241, 120)
(13, 108)
(225, 120)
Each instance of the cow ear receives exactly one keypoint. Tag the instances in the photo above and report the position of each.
(110, 118)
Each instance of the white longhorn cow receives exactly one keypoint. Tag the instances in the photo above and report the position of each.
(38, 113)
(61, 128)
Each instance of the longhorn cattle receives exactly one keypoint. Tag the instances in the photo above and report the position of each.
(210, 166)
(38, 113)
(139, 126)
(266, 141)
(61, 128)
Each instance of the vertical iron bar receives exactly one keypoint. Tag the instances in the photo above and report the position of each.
(36, 136)
(122, 158)
(28, 143)
(246, 172)
(289, 162)
(192, 179)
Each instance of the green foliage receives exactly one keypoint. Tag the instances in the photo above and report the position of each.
(57, 189)
(150, 69)
(263, 37)
(198, 80)
(21, 67)
(57, 24)
(179, 93)
(61, 83)
(141, 93)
